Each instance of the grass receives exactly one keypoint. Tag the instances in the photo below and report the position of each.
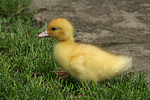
(26, 64)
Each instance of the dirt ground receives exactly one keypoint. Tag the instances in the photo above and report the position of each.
(119, 26)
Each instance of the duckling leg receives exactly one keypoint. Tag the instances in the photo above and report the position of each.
(66, 76)
(61, 73)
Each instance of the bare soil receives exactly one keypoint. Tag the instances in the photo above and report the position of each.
(118, 26)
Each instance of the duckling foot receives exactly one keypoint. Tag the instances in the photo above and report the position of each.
(61, 73)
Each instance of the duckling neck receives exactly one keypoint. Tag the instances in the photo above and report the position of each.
(68, 40)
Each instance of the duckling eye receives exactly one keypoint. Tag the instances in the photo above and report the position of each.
(53, 29)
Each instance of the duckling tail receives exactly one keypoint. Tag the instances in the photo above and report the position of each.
(124, 65)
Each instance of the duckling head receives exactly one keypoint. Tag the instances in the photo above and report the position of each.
(60, 29)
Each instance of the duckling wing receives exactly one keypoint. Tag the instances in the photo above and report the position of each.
(76, 65)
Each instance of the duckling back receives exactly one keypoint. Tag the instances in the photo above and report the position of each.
(99, 64)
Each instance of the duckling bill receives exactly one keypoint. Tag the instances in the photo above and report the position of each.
(83, 61)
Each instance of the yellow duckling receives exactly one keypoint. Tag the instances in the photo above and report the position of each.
(83, 61)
